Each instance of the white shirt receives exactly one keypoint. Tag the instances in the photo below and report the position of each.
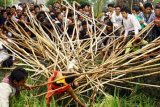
(110, 14)
(131, 24)
(117, 20)
(3, 53)
(6, 92)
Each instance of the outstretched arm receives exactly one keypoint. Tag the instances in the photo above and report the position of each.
(73, 95)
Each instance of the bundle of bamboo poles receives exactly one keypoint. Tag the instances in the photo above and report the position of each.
(96, 65)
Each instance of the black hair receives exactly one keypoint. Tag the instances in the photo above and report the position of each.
(20, 4)
(8, 62)
(2, 11)
(148, 5)
(8, 7)
(80, 7)
(136, 8)
(110, 5)
(14, 7)
(70, 15)
(125, 9)
(53, 16)
(84, 5)
(70, 79)
(36, 6)
(109, 23)
(39, 16)
(18, 74)
(157, 6)
(118, 6)
(84, 23)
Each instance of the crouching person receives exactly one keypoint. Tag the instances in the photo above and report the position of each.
(11, 85)
(60, 86)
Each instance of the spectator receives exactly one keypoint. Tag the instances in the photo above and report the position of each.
(147, 15)
(110, 10)
(107, 31)
(117, 17)
(156, 30)
(157, 11)
(135, 12)
(130, 23)
(37, 9)
(84, 31)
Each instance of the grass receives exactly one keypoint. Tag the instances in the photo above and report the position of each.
(26, 99)
(135, 99)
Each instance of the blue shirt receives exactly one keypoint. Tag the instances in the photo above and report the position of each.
(146, 19)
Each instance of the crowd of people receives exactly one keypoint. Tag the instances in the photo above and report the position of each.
(132, 20)
(129, 22)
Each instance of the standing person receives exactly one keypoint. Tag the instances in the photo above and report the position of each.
(130, 23)
(107, 15)
(11, 85)
(86, 9)
(37, 9)
(110, 10)
(157, 11)
(147, 15)
(156, 30)
(117, 17)
(135, 12)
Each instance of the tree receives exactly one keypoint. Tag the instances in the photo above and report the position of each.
(5, 3)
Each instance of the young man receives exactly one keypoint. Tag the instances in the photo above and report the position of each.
(147, 15)
(156, 30)
(130, 23)
(60, 86)
(10, 85)
(107, 15)
(117, 17)
(110, 10)
(135, 12)
(157, 11)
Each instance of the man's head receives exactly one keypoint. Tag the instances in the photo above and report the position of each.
(136, 10)
(18, 77)
(31, 6)
(19, 10)
(109, 26)
(157, 22)
(84, 25)
(137, 39)
(110, 7)
(148, 8)
(124, 12)
(37, 9)
(4, 13)
(8, 9)
(85, 7)
(157, 10)
(13, 9)
(59, 16)
(117, 9)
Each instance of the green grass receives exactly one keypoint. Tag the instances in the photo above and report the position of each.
(26, 99)
(135, 99)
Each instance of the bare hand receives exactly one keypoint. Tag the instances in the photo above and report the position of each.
(137, 37)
